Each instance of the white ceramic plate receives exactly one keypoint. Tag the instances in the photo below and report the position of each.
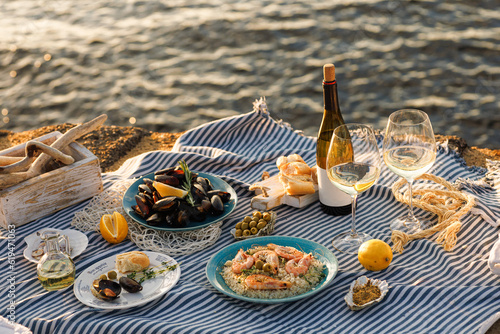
(152, 288)
(77, 240)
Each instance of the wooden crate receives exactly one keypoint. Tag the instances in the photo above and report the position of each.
(52, 191)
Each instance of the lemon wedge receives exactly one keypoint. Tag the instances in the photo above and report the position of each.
(114, 227)
(166, 190)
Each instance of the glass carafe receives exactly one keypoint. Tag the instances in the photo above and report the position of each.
(55, 269)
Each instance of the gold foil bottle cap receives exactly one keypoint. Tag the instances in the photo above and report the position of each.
(329, 72)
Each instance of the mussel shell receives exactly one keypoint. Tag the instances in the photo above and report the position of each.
(196, 215)
(137, 210)
(149, 199)
(156, 219)
(143, 188)
(206, 205)
(168, 179)
(224, 195)
(178, 173)
(210, 186)
(203, 182)
(183, 218)
(149, 183)
(200, 188)
(142, 204)
(165, 171)
(105, 289)
(198, 193)
(130, 285)
(217, 205)
(166, 204)
(173, 220)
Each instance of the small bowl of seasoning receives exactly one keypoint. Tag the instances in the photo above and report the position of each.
(365, 292)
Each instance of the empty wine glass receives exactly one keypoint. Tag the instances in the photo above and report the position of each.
(353, 166)
(409, 151)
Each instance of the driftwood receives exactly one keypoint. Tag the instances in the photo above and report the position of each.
(4, 160)
(36, 168)
(52, 190)
(33, 149)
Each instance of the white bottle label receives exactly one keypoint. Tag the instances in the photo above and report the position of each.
(328, 193)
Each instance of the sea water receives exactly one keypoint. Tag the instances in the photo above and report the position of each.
(172, 65)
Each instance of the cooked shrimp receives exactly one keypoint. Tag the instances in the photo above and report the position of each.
(288, 253)
(268, 256)
(263, 282)
(241, 262)
(298, 266)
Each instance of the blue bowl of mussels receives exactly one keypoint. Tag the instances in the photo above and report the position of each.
(208, 201)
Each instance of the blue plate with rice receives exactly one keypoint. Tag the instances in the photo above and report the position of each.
(217, 262)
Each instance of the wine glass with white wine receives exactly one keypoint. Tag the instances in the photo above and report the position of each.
(353, 166)
(409, 151)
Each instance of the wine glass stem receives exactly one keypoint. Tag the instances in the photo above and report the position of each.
(410, 202)
(354, 233)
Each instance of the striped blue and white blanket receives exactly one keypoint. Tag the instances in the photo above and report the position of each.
(431, 291)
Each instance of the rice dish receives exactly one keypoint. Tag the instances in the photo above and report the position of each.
(291, 283)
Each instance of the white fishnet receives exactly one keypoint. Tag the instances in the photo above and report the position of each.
(170, 243)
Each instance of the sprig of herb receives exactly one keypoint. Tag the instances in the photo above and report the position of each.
(187, 183)
(150, 273)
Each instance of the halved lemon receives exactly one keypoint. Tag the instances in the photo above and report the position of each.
(114, 227)
(166, 190)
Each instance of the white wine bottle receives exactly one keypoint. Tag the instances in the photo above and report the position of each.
(333, 200)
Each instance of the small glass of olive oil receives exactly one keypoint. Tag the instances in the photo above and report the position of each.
(55, 269)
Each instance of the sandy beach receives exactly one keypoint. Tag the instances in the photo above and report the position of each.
(172, 65)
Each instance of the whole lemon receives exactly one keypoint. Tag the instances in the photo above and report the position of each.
(375, 255)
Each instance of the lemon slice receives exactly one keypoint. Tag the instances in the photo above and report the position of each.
(114, 227)
(166, 190)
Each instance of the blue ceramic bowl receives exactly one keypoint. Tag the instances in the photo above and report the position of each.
(323, 254)
(129, 201)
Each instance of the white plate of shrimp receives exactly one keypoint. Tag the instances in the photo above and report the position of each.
(272, 269)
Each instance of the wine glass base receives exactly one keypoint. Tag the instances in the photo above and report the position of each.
(348, 244)
(410, 226)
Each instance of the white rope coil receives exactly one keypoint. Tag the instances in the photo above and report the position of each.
(170, 243)
(449, 205)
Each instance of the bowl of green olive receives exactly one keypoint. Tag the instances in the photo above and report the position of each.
(256, 225)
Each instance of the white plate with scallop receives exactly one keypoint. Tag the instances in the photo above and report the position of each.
(151, 289)
(77, 240)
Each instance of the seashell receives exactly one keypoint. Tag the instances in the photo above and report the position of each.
(361, 281)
